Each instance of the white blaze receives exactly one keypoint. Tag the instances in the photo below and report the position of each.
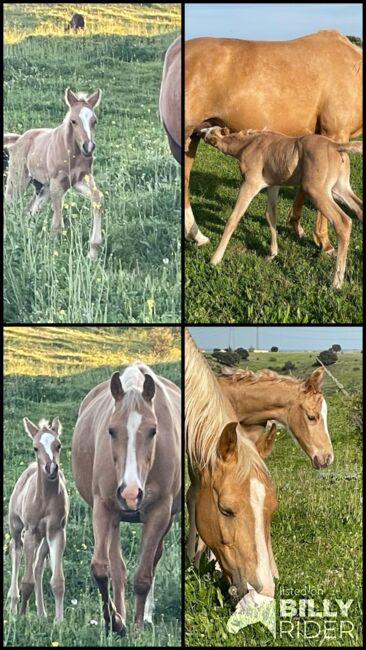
(257, 496)
(131, 470)
(85, 115)
(324, 413)
(46, 440)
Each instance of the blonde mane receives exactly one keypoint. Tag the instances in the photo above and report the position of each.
(242, 376)
(207, 412)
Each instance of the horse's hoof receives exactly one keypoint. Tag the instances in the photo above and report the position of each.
(118, 625)
(330, 251)
(201, 240)
(269, 258)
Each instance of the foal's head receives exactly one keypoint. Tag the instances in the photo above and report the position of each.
(46, 444)
(81, 119)
(233, 514)
(307, 420)
(132, 429)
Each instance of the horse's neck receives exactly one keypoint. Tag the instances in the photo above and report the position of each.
(257, 402)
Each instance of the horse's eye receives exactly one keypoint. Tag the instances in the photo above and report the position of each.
(35, 448)
(152, 432)
(73, 121)
(58, 446)
(112, 432)
(226, 512)
(312, 418)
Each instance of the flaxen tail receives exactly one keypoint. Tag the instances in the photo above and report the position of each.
(355, 146)
(10, 138)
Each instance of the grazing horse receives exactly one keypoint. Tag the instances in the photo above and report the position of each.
(57, 159)
(311, 84)
(297, 404)
(126, 464)
(231, 498)
(269, 159)
(38, 511)
(170, 98)
(77, 22)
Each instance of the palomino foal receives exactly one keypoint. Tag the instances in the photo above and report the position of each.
(57, 159)
(38, 509)
(231, 498)
(269, 160)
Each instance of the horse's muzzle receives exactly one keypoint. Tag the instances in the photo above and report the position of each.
(51, 471)
(322, 460)
(88, 148)
(129, 502)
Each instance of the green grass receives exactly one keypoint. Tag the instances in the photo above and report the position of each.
(295, 287)
(46, 393)
(316, 528)
(137, 275)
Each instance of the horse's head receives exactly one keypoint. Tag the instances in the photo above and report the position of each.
(132, 429)
(307, 420)
(82, 119)
(233, 515)
(46, 444)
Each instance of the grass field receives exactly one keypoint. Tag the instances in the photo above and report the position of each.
(44, 389)
(137, 275)
(316, 528)
(295, 287)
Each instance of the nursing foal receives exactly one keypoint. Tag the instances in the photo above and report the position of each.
(38, 509)
(269, 160)
(57, 159)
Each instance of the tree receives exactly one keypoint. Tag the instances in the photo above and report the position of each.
(226, 358)
(336, 347)
(288, 366)
(242, 353)
(274, 348)
(161, 341)
(327, 357)
(356, 40)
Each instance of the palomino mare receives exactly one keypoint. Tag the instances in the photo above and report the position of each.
(170, 98)
(126, 464)
(297, 404)
(57, 159)
(38, 509)
(231, 498)
(315, 163)
(311, 84)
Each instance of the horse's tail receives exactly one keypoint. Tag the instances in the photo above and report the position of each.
(10, 138)
(355, 146)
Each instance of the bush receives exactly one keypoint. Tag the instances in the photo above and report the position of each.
(289, 365)
(226, 358)
(336, 347)
(274, 348)
(242, 352)
(327, 357)
(161, 341)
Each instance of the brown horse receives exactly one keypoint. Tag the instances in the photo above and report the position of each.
(170, 98)
(231, 498)
(311, 84)
(126, 465)
(269, 159)
(38, 511)
(57, 159)
(297, 404)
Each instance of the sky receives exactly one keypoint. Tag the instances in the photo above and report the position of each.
(285, 338)
(271, 21)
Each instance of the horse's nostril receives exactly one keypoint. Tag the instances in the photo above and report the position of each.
(140, 496)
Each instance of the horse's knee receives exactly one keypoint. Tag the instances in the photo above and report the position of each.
(97, 199)
(27, 589)
(57, 586)
(142, 583)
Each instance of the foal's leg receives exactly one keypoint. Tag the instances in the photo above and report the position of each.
(153, 532)
(38, 201)
(17, 180)
(56, 543)
(16, 552)
(272, 219)
(56, 193)
(88, 188)
(294, 214)
(342, 190)
(38, 577)
(118, 577)
(320, 234)
(248, 190)
(30, 545)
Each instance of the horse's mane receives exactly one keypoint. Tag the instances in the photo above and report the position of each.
(207, 412)
(248, 376)
(133, 392)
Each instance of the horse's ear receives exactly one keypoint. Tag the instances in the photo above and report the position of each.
(94, 99)
(70, 97)
(314, 380)
(148, 390)
(116, 387)
(30, 428)
(56, 426)
(228, 441)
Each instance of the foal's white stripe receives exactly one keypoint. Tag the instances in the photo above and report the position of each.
(257, 496)
(131, 470)
(324, 413)
(85, 115)
(46, 440)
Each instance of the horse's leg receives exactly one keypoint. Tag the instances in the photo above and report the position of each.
(342, 224)
(271, 218)
(38, 577)
(248, 190)
(342, 190)
(16, 551)
(294, 214)
(56, 191)
(191, 229)
(102, 529)
(17, 180)
(154, 529)
(320, 234)
(30, 546)
(191, 506)
(149, 603)
(118, 577)
(88, 188)
(56, 540)
(38, 201)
